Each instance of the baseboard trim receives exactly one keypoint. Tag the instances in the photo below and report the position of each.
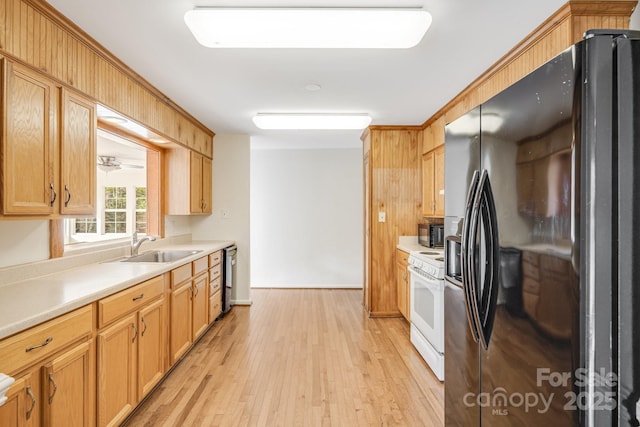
(241, 302)
(306, 286)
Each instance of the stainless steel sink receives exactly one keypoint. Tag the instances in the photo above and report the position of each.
(161, 256)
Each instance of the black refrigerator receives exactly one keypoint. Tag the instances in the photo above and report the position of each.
(542, 217)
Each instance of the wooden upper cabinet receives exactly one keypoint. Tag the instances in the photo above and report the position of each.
(78, 154)
(48, 147)
(433, 182)
(28, 142)
(188, 182)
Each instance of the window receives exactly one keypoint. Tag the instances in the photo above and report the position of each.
(115, 210)
(141, 210)
(85, 225)
(121, 193)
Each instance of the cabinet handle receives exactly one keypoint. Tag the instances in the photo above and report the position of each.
(68, 198)
(145, 326)
(190, 292)
(55, 387)
(195, 288)
(33, 401)
(54, 195)
(139, 297)
(135, 332)
(33, 347)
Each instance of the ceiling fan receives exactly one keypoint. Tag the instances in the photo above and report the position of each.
(109, 163)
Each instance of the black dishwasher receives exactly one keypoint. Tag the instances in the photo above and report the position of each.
(229, 276)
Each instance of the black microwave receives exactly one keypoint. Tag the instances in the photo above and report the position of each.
(431, 235)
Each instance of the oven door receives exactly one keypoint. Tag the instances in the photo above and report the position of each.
(427, 305)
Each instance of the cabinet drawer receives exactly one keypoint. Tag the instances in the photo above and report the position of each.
(215, 306)
(215, 258)
(215, 285)
(215, 272)
(200, 265)
(180, 274)
(402, 256)
(530, 257)
(111, 308)
(21, 350)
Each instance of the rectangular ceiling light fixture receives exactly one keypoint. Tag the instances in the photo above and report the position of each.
(308, 27)
(300, 121)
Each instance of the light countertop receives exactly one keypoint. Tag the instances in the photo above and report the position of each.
(410, 244)
(27, 303)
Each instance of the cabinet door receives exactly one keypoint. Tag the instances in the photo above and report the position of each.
(401, 283)
(200, 305)
(438, 181)
(181, 302)
(67, 393)
(28, 143)
(206, 185)
(20, 408)
(428, 202)
(195, 182)
(78, 155)
(151, 347)
(117, 371)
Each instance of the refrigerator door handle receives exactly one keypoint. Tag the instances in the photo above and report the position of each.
(472, 278)
(466, 266)
(486, 307)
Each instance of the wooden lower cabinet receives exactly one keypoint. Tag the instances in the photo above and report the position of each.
(189, 314)
(181, 306)
(53, 364)
(19, 408)
(66, 383)
(151, 347)
(403, 284)
(200, 305)
(117, 371)
(55, 393)
(131, 352)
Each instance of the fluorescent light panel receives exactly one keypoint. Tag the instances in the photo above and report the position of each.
(297, 121)
(308, 27)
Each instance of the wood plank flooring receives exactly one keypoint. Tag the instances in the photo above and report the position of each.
(299, 358)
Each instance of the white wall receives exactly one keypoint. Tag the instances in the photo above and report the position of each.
(306, 217)
(23, 241)
(230, 218)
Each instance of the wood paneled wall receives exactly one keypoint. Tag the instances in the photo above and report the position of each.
(394, 159)
(564, 28)
(34, 33)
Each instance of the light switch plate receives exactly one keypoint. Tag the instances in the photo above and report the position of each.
(382, 216)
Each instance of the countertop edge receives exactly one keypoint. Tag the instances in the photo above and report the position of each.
(30, 320)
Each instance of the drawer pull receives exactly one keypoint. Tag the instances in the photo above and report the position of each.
(145, 327)
(33, 347)
(139, 297)
(33, 401)
(55, 388)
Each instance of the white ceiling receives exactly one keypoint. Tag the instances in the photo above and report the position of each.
(224, 88)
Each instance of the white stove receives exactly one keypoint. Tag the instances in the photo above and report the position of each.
(429, 261)
(427, 307)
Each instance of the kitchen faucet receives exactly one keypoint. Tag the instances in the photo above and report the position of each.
(135, 243)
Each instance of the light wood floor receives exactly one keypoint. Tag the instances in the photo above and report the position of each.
(299, 358)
